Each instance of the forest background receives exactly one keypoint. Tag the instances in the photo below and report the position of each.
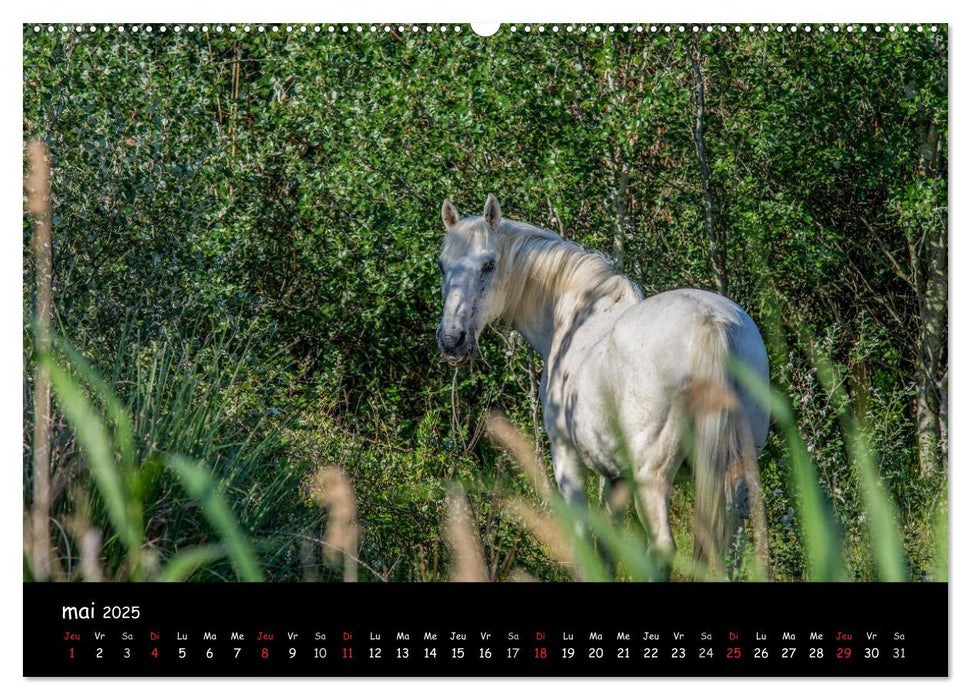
(244, 229)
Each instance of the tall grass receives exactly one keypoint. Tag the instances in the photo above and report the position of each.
(168, 467)
(176, 478)
(126, 474)
(176, 485)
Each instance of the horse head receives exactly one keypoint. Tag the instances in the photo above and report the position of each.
(471, 287)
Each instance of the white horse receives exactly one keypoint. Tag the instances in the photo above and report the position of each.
(623, 375)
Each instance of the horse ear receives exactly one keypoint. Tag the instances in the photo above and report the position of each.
(492, 213)
(450, 215)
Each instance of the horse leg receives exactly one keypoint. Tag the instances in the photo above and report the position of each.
(750, 469)
(654, 482)
(568, 472)
(570, 480)
(743, 498)
(614, 496)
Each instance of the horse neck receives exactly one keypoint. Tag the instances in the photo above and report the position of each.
(555, 312)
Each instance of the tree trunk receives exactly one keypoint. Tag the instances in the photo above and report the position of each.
(932, 265)
(619, 198)
(931, 413)
(717, 254)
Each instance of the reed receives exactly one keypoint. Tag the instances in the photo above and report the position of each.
(467, 560)
(332, 490)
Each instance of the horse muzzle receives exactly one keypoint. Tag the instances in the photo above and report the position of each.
(459, 361)
(458, 356)
(457, 348)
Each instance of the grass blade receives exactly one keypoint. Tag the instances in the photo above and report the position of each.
(940, 542)
(116, 411)
(184, 564)
(200, 486)
(886, 542)
(123, 509)
(817, 521)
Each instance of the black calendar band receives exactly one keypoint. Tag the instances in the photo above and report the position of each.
(500, 630)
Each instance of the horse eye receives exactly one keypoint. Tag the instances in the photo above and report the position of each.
(488, 266)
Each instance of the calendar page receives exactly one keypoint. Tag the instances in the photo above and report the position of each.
(437, 349)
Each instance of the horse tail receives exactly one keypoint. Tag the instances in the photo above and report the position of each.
(721, 448)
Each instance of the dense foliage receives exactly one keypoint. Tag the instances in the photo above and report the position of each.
(250, 222)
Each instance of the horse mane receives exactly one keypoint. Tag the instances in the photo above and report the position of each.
(540, 268)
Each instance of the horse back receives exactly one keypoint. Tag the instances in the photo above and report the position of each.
(661, 345)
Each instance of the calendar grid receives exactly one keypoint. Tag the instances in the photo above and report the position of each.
(337, 630)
